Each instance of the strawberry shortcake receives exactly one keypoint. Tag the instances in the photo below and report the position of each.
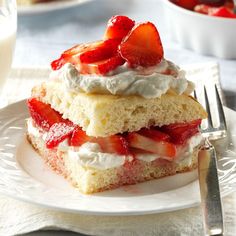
(116, 112)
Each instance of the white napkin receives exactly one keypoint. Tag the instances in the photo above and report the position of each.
(18, 217)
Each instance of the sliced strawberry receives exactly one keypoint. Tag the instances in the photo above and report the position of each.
(187, 4)
(114, 144)
(57, 134)
(43, 115)
(87, 53)
(58, 63)
(111, 144)
(102, 51)
(180, 132)
(102, 67)
(154, 134)
(202, 8)
(79, 137)
(222, 12)
(163, 149)
(118, 27)
(142, 46)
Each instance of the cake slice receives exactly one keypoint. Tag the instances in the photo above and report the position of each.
(115, 112)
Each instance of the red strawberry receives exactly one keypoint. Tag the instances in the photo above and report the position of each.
(79, 137)
(202, 8)
(188, 4)
(222, 12)
(43, 115)
(118, 27)
(154, 134)
(87, 53)
(114, 144)
(57, 134)
(180, 132)
(102, 67)
(142, 46)
(164, 149)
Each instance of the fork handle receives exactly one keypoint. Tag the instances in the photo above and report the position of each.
(210, 191)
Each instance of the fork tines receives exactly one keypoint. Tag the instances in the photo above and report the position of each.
(211, 129)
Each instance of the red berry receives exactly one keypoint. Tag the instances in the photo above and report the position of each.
(222, 12)
(154, 134)
(187, 4)
(162, 148)
(57, 134)
(118, 27)
(79, 137)
(43, 115)
(111, 144)
(142, 46)
(202, 8)
(180, 132)
(114, 144)
(102, 67)
(87, 53)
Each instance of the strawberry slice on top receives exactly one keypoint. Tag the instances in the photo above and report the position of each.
(142, 46)
(102, 67)
(118, 27)
(87, 53)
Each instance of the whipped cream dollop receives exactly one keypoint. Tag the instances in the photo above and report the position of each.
(91, 155)
(149, 82)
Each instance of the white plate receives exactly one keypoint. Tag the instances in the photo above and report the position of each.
(49, 6)
(25, 177)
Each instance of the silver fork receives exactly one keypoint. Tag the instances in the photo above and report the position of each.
(207, 168)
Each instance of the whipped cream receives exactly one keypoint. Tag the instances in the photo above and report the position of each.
(149, 82)
(90, 154)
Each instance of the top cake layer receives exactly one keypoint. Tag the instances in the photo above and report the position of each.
(104, 115)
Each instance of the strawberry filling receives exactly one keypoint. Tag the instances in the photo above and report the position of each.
(162, 141)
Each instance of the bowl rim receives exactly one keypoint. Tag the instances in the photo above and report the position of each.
(196, 14)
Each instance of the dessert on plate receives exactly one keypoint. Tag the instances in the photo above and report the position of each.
(115, 112)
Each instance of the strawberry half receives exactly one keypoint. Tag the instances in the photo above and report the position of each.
(202, 8)
(43, 115)
(87, 53)
(142, 46)
(222, 12)
(79, 137)
(179, 133)
(114, 144)
(118, 27)
(187, 4)
(57, 134)
(102, 67)
(154, 134)
(164, 149)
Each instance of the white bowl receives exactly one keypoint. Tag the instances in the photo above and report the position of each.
(202, 33)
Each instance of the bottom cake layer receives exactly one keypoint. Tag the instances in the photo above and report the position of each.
(90, 180)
